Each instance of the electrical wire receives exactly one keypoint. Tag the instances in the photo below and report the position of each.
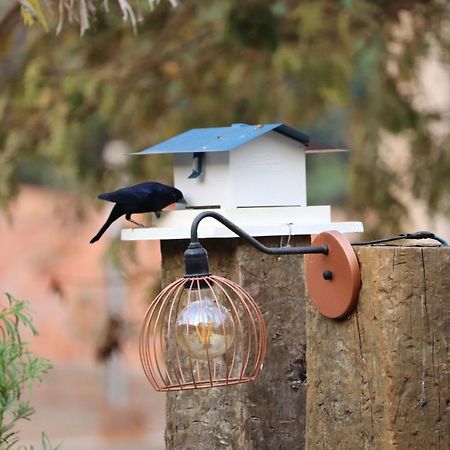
(416, 235)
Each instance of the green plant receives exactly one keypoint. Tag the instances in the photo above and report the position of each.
(19, 369)
(45, 444)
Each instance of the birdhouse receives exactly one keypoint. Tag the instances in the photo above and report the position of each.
(255, 175)
(241, 166)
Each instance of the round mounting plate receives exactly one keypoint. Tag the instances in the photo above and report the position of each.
(334, 294)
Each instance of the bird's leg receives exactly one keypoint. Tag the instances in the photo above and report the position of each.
(128, 217)
(158, 214)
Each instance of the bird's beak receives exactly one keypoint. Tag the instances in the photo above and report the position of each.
(182, 201)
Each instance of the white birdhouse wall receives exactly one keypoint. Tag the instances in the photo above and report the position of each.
(268, 171)
(211, 188)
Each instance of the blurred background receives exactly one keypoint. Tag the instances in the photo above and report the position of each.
(371, 75)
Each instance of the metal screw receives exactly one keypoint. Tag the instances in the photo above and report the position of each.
(327, 275)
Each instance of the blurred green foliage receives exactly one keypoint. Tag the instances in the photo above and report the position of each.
(345, 70)
(19, 370)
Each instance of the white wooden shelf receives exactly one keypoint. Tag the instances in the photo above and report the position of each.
(270, 221)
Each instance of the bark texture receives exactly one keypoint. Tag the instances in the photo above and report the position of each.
(270, 412)
(380, 380)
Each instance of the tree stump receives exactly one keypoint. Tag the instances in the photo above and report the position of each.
(380, 380)
(270, 412)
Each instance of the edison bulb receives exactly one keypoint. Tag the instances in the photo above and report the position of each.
(204, 329)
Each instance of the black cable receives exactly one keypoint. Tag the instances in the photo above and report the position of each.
(416, 235)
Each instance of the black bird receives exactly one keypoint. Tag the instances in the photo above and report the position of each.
(140, 198)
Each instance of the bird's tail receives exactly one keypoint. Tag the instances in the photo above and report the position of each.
(114, 215)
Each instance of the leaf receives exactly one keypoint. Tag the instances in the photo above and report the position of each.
(27, 16)
(31, 9)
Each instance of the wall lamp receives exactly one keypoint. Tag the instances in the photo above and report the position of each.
(205, 331)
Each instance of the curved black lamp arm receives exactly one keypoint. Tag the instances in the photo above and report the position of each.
(251, 240)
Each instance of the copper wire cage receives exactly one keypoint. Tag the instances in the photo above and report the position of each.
(200, 332)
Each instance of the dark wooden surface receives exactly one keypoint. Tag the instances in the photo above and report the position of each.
(380, 380)
(268, 414)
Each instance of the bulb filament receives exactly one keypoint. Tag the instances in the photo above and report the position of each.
(204, 332)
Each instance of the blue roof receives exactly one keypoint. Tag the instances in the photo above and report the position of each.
(223, 139)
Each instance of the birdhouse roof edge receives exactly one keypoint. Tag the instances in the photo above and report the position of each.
(225, 139)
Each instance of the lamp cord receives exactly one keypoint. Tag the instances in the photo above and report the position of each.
(416, 235)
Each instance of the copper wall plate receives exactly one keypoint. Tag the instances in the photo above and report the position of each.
(333, 280)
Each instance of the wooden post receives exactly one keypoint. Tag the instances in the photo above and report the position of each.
(380, 380)
(270, 412)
